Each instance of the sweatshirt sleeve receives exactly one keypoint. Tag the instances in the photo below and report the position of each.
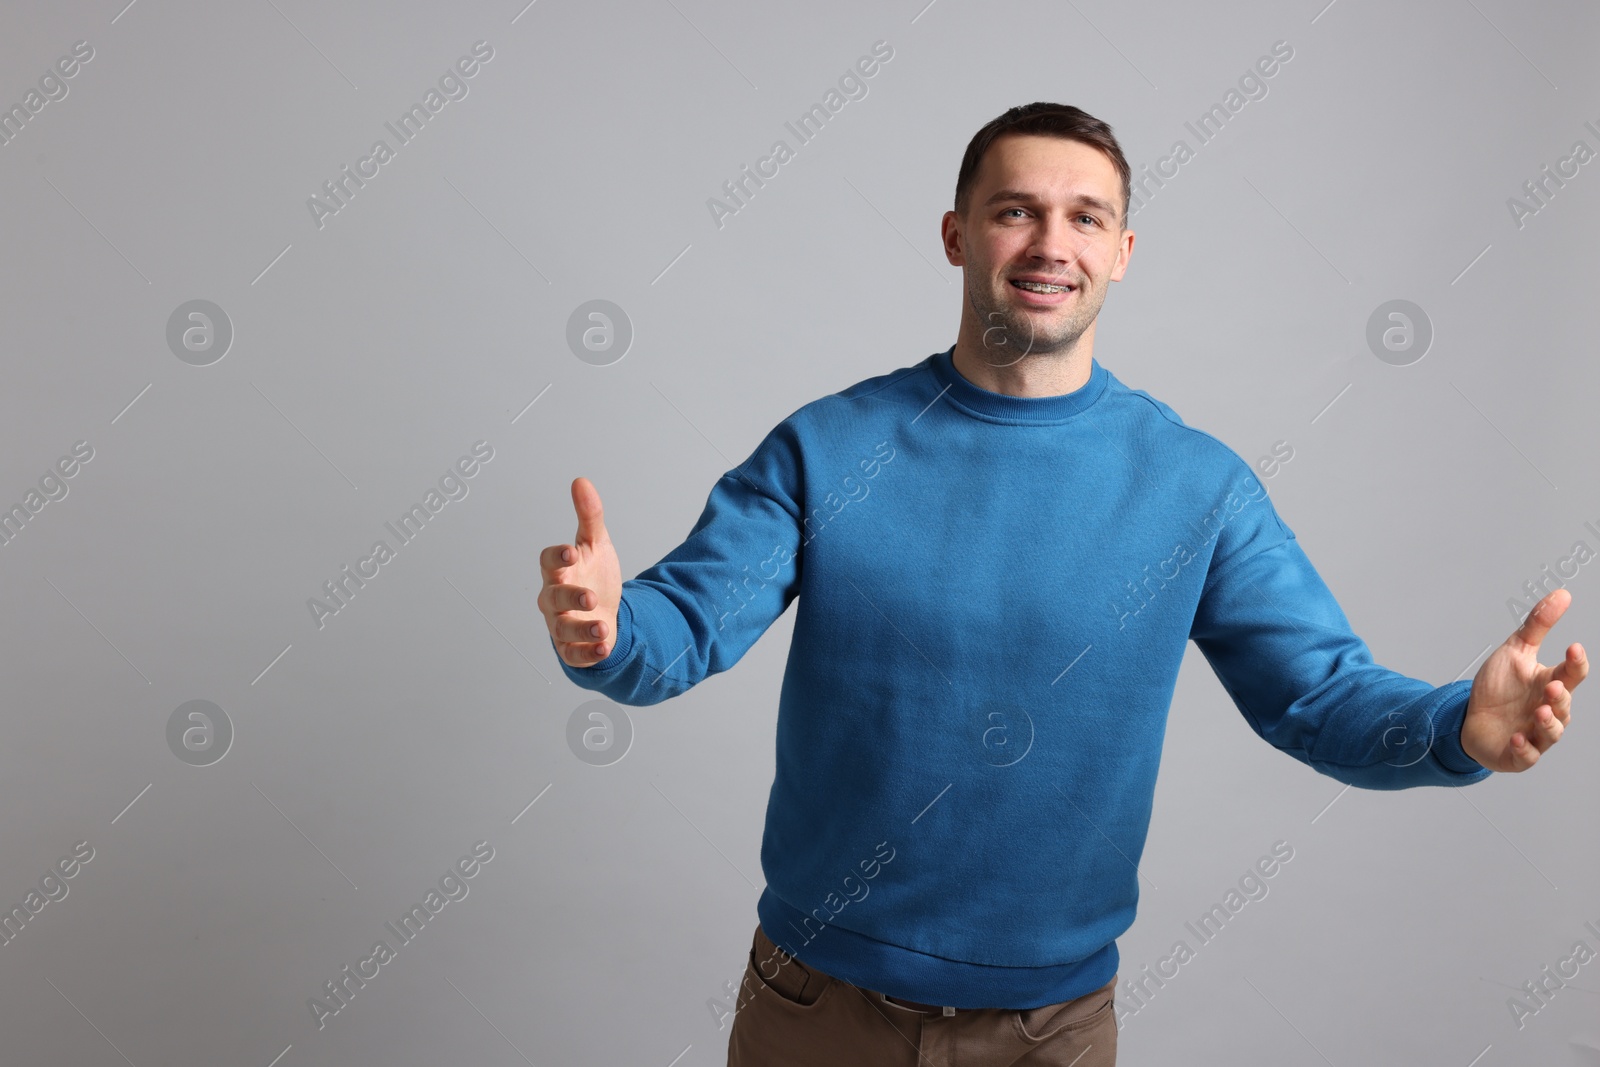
(1284, 651)
(697, 611)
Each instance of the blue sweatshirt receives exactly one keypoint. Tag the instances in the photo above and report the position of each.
(995, 594)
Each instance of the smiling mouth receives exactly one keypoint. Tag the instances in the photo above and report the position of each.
(1043, 288)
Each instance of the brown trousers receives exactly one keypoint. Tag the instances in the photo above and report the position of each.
(791, 1015)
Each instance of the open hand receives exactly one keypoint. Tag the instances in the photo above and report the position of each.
(1519, 707)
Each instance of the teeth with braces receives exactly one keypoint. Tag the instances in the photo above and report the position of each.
(1041, 287)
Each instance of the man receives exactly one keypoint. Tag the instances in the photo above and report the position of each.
(1000, 554)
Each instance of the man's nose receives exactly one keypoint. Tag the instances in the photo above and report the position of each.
(1057, 245)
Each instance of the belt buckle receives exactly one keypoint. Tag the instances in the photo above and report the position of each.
(917, 1005)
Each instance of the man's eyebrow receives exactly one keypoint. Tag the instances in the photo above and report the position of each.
(1003, 195)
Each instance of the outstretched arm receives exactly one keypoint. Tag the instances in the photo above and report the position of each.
(1306, 683)
(699, 609)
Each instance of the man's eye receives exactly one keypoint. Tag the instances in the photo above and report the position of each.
(1091, 218)
(1009, 210)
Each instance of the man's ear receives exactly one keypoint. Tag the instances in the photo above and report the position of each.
(1124, 254)
(950, 237)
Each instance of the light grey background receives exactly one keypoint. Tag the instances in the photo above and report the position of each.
(369, 354)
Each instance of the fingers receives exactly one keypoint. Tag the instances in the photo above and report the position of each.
(553, 559)
(1559, 700)
(591, 517)
(1549, 727)
(1523, 754)
(557, 597)
(581, 654)
(559, 603)
(579, 642)
(1572, 670)
(1550, 721)
(566, 628)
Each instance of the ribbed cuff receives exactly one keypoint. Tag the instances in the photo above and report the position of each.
(1447, 720)
(624, 645)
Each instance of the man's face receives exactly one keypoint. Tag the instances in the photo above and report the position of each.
(1041, 210)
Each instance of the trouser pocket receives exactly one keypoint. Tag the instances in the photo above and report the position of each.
(1093, 1009)
(783, 975)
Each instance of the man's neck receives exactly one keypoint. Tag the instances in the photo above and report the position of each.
(1035, 374)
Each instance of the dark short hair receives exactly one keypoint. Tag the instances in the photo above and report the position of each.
(1050, 120)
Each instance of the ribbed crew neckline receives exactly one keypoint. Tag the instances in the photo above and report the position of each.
(998, 407)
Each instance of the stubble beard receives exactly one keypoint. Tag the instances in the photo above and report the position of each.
(1011, 333)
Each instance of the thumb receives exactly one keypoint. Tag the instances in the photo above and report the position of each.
(591, 516)
(1545, 614)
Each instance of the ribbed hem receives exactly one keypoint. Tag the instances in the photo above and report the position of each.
(901, 972)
